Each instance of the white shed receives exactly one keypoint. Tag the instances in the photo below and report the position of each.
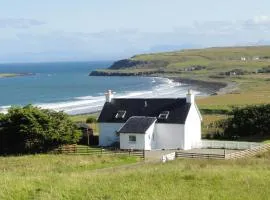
(137, 133)
(154, 123)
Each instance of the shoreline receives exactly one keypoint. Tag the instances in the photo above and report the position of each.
(206, 87)
(211, 87)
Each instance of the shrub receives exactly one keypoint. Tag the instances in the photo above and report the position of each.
(30, 130)
(91, 120)
(247, 121)
(264, 70)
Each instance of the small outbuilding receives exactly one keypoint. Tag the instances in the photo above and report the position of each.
(137, 133)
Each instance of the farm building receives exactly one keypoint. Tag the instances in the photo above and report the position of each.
(153, 123)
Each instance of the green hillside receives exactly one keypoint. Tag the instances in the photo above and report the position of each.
(215, 60)
(210, 62)
(245, 69)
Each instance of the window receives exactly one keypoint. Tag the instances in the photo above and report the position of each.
(164, 115)
(120, 114)
(132, 138)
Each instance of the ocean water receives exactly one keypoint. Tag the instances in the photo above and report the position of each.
(67, 87)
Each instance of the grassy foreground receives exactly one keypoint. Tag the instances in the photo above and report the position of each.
(73, 177)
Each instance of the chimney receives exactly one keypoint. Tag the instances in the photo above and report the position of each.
(145, 103)
(109, 96)
(190, 98)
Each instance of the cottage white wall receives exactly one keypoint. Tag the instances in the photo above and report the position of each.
(169, 136)
(107, 134)
(149, 139)
(143, 140)
(192, 128)
(126, 144)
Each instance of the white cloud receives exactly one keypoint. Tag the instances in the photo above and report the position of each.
(19, 23)
(258, 22)
(261, 20)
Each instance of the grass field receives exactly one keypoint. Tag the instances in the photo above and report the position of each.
(82, 118)
(52, 176)
(75, 177)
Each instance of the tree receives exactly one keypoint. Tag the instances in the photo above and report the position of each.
(31, 129)
(248, 121)
(91, 119)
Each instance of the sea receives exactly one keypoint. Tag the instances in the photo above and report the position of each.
(67, 86)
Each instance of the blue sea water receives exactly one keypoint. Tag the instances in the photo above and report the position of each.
(66, 86)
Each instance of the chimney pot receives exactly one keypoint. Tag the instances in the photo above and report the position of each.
(109, 96)
(190, 98)
(145, 104)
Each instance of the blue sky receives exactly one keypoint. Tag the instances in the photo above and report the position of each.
(60, 30)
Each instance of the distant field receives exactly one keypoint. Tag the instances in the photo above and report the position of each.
(82, 118)
(75, 177)
(2, 75)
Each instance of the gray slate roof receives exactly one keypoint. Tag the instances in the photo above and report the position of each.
(137, 124)
(178, 109)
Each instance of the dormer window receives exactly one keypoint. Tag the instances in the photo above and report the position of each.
(164, 115)
(120, 114)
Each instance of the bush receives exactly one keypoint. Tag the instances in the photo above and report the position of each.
(247, 121)
(31, 130)
(264, 70)
(91, 120)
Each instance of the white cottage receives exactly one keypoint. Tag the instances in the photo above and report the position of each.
(156, 123)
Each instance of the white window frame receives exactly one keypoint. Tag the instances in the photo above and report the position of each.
(164, 115)
(120, 114)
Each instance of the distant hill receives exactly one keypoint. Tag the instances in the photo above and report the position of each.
(196, 63)
(244, 70)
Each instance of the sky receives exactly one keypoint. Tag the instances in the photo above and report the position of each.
(68, 30)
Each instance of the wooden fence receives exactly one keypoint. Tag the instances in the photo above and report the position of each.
(85, 150)
(219, 144)
(235, 155)
(199, 155)
(248, 152)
